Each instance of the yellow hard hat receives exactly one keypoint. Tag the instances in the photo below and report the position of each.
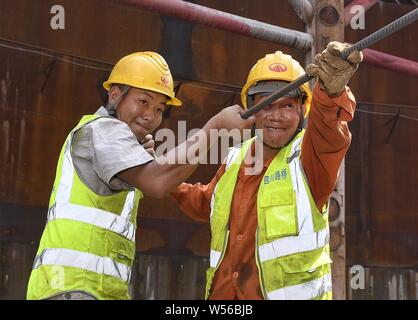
(144, 70)
(277, 67)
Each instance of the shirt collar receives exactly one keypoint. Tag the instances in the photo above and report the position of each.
(102, 111)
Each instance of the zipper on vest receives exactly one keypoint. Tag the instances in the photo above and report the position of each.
(260, 272)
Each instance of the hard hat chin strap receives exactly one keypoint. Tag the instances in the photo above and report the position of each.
(300, 126)
(111, 107)
(301, 123)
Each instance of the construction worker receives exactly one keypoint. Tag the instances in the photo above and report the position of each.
(88, 245)
(270, 230)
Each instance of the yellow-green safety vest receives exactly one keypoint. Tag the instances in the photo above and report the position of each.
(292, 238)
(88, 244)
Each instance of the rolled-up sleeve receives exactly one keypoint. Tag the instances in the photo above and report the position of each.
(326, 141)
(115, 148)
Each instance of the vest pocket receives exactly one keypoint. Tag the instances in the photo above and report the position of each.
(280, 214)
(306, 276)
(305, 261)
(122, 252)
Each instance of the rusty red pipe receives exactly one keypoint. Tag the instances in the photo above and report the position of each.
(225, 21)
(390, 62)
(202, 15)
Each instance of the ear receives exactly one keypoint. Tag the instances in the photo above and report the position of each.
(114, 93)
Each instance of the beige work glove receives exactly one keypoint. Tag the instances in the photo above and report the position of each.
(334, 72)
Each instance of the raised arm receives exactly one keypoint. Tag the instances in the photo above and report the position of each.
(162, 176)
(326, 141)
(327, 137)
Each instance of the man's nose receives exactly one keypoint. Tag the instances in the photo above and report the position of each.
(276, 113)
(148, 115)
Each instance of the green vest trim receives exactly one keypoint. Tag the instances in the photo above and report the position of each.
(89, 241)
(292, 249)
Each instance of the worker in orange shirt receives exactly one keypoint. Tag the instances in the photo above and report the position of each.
(270, 233)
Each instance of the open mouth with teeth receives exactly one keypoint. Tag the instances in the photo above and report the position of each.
(276, 129)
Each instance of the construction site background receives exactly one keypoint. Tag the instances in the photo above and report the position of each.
(50, 78)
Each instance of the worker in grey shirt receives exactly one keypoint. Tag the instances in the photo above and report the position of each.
(105, 167)
(101, 149)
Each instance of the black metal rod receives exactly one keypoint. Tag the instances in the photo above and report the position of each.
(360, 45)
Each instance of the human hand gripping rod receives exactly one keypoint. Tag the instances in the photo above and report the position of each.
(360, 45)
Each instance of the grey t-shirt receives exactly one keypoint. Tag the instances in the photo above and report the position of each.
(103, 148)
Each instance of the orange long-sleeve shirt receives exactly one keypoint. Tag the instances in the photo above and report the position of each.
(325, 143)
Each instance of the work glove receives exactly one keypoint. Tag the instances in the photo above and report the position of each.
(334, 72)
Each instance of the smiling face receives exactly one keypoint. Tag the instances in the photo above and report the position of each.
(142, 110)
(278, 120)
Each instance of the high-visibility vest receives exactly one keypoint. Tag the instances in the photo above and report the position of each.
(292, 237)
(88, 243)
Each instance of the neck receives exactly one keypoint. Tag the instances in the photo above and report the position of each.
(269, 152)
(264, 152)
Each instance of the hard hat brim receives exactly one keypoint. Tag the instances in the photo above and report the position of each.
(172, 101)
(273, 86)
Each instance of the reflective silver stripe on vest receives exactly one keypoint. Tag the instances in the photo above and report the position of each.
(305, 291)
(97, 217)
(232, 156)
(215, 256)
(63, 209)
(307, 238)
(304, 210)
(212, 201)
(128, 206)
(84, 261)
(291, 245)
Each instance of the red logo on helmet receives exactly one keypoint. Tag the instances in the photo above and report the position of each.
(277, 67)
(164, 80)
